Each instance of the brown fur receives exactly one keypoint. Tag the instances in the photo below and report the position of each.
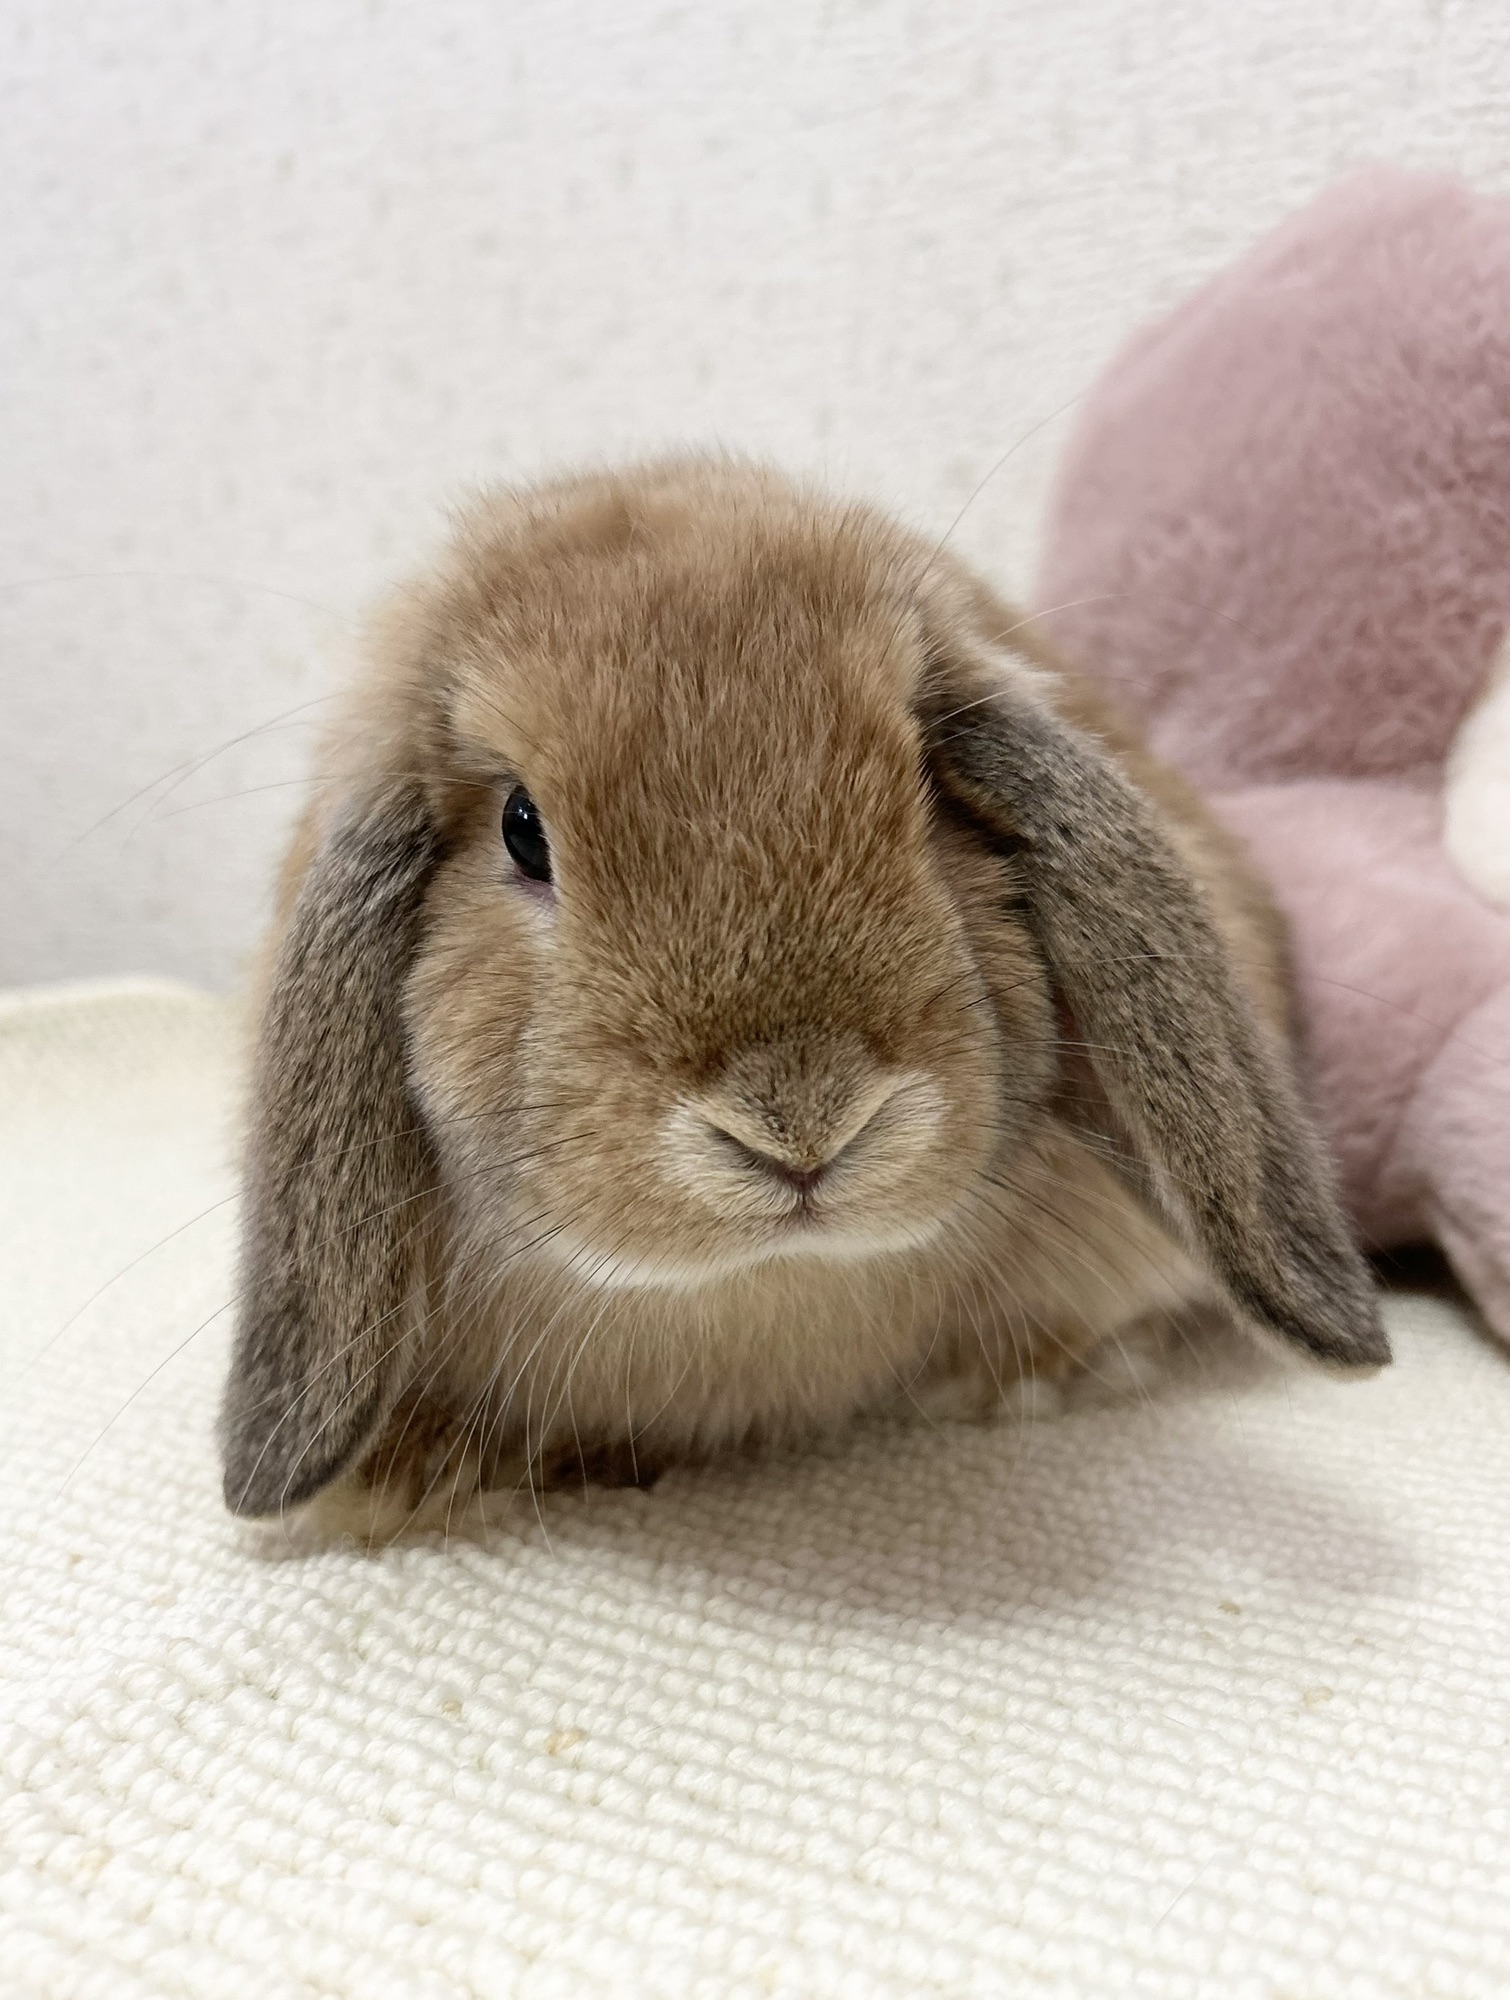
(845, 873)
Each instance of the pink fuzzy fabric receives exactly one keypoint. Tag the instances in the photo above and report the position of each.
(1281, 540)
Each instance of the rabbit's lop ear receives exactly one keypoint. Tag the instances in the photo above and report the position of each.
(337, 1167)
(1198, 1086)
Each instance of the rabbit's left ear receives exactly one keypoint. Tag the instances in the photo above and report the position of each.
(1202, 1090)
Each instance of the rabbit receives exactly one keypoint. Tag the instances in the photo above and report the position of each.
(729, 978)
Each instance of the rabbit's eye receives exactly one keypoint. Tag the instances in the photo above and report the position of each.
(524, 835)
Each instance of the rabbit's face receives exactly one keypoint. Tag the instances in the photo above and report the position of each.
(709, 977)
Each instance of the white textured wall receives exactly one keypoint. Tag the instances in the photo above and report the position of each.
(279, 280)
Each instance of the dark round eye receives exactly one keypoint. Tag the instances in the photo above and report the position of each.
(524, 835)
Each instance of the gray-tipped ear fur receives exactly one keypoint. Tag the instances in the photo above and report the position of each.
(336, 1170)
(1201, 1090)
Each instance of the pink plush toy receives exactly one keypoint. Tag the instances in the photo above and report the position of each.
(1281, 542)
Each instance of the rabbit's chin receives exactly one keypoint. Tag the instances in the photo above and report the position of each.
(793, 1241)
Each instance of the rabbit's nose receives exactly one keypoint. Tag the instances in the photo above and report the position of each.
(788, 1171)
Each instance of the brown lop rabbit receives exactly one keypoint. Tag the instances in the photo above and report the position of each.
(728, 979)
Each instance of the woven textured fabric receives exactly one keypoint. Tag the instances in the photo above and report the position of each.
(1203, 1696)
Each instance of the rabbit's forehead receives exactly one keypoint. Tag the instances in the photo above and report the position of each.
(706, 688)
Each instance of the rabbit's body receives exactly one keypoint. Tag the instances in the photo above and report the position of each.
(538, 1375)
(861, 1017)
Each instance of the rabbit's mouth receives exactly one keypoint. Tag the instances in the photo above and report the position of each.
(753, 1161)
(860, 1163)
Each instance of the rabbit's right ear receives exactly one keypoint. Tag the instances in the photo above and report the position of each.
(338, 1166)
